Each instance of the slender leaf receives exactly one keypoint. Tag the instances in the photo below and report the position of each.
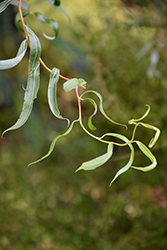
(4, 5)
(53, 144)
(48, 37)
(82, 82)
(129, 164)
(157, 134)
(101, 107)
(35, 51)
(56, 4)
(33, 81)
(70, 84)
(98, 161)
(147, 152)
(30, 95)
(52, 23)
(133, 121)
(90, 125)
(10, 63)
(52, 94)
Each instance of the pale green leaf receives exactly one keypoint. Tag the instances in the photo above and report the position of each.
(24, 5)
(129, 164)
(10, 63)
(101, 107)
(4, 5)
(52, 93)
(70, 84)
(99, 161)
(148, 153)
(157, 134)
(90, 125)
(82, 82)
(53, 144)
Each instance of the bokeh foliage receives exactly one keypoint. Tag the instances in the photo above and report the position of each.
(48, 206)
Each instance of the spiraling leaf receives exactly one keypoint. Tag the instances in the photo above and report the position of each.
(101, 107)
(147, 152)
(53, 144)
(52, 94)
(98, 161)
(33, 81)
(129, 164)
(10, 63)
(90, 125)
(52, 23)
(70, 84)
(4, 5)
(157, 134)
(82, 82)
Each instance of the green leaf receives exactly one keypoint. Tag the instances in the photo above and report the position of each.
(52, 94)
(99, 161)
(30, 95)
(52, 23)
(82, 82)
(10, 63)
(4, 5)
(53, 143)
(17, 17)
(147, 152)
(129, 164)
(35, 50)
(70, 84)
(157, 134)
(90, 125)
(56, 4)
(101, 107)
(33, 81)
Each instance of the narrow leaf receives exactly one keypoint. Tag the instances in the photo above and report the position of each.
(99, 161)
(24, 5)
(148, 153)
(129, 164)
(52, 23)
(101, 107)
(30, 95)
(53, 144)
(10, 63)
(33, 81)
(157, 134)
(70, 84)
(52, 94)
(90, 125)
(82, 82)
(35, 51)
(4, 5)
(56, 4)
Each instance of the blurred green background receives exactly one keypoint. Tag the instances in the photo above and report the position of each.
(120, 49)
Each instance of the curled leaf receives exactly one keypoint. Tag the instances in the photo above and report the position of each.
(101, 107)
(90, 125)
(10, 63)
(157, 134)
(98, 161)
(33, 81)
(129, 164)
(53, 144)
(52, 23)
(52, 94)
(133, 121)
(147, 152)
